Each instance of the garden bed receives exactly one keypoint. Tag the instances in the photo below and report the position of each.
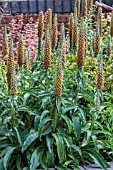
(56, 91)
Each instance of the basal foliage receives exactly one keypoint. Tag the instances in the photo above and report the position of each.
(59, 117)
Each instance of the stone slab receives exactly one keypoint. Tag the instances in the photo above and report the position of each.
(96, 167)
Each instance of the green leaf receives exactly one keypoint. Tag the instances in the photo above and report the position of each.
(7, 156)
(68, 122)
(42, 124)
(50, 159)
(95, 141)
(1, 164)
(98, 159)
(32, 137)
(61, 167)
(18, 136)
(86, 127)
(68, 109)
(75, 167)
(77, 149)
(76, 126)
(36, 122)
(26, 109)
(19, 163)
(35, 158)
(25, 168)
(82, 114)
(88, 98)
(47, 129)
(86, 139)
(26, 96)
(107, 104)
(60, 147)
(43, 161)
(49, 141)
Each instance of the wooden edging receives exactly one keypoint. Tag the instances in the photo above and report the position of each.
(89, 167)
(35, 6)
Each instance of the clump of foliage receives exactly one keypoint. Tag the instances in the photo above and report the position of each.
(56, 111)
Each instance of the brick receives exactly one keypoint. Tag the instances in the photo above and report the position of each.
(41, 5)
(58, 6)
(7, 19)
(63, 18)
(33, 6)
(49, 4)
(24, 7)
(25, 18)
(35, 17)
(66, 6)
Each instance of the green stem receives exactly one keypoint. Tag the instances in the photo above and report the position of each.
(76, 95)
(39, 46)
(55, 120)
(77, 89)
(12, 110)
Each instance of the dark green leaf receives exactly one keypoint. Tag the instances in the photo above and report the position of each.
(7, 156)
(76, 126)
(32, 137)
(98, 159)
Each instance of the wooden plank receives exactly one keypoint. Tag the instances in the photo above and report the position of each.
(41, 5)
(108, 2)
(66, 6)
(6, 7)
(58, 6)
(15, 7)
(89, 167)
(24, 6)
(49, 4)
(33, 6)
(72, 5)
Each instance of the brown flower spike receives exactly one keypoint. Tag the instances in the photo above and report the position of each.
(21, 51)
(10, 64)
(81, 46)
(100, 18)
(54, 33)
(84, 9)
(77, 6)
(75, 30)
(49, 20)
(97, 41)
(47, 50)
(97, 102)
(13, 89)
(63, 44)
(26, 65)
(71, 26)
(100, 76)
(58, 80)
(90, 4)
(40, 24)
